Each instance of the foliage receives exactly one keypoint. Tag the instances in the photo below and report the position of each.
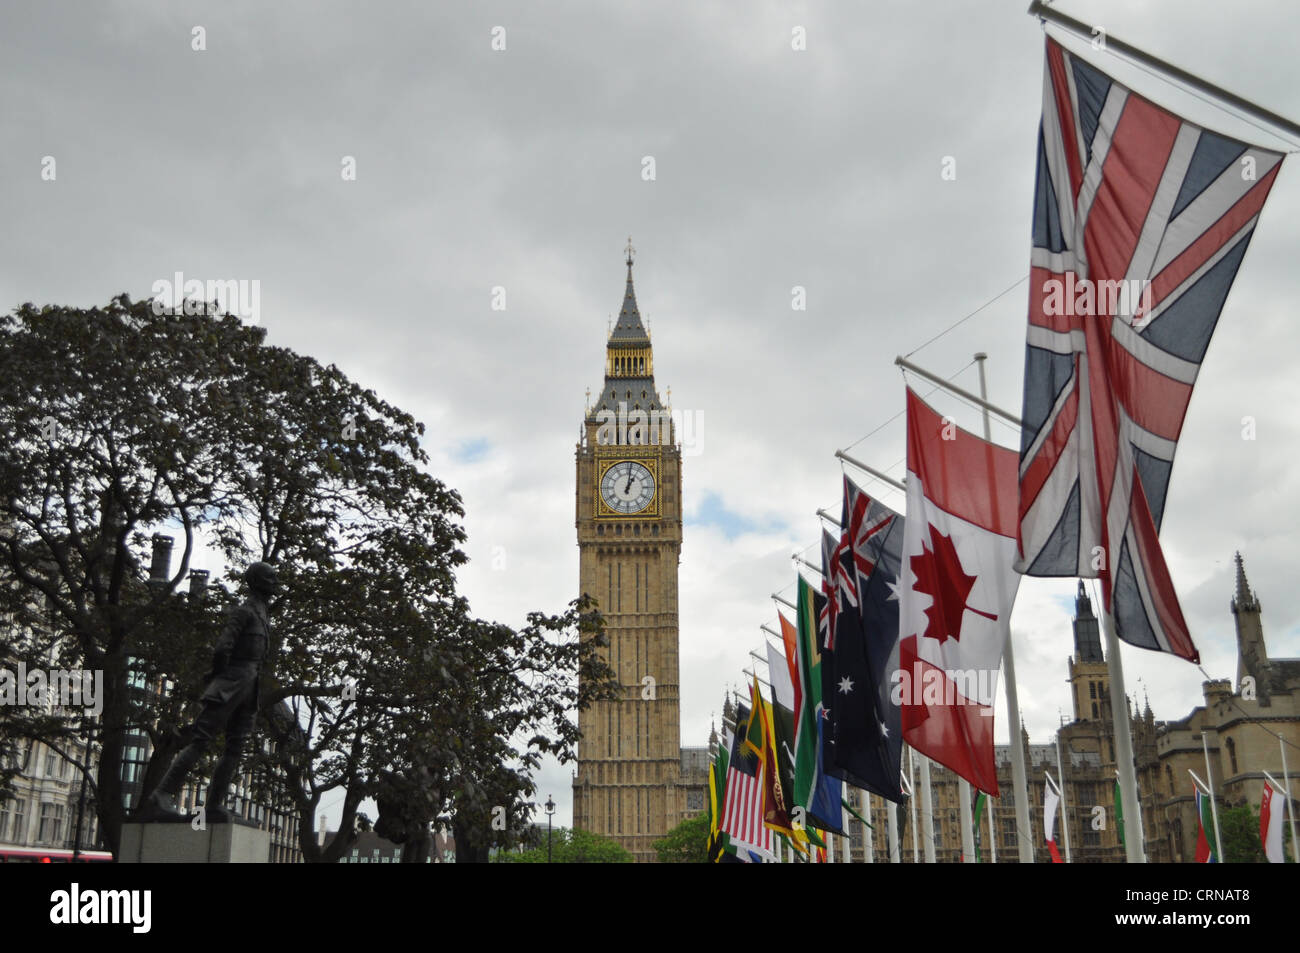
(121, 422)
(687, 843)
(1239, 828)
(570, 847)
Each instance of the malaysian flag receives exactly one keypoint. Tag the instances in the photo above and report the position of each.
(742, 816)
(1141, 220)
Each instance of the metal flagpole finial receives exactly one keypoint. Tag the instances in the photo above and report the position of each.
(629, 251)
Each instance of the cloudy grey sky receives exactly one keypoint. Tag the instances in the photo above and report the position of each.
(522, 168)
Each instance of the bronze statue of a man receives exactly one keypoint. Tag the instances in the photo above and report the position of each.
(229, 702)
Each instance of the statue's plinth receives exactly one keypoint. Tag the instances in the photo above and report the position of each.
(238, 842)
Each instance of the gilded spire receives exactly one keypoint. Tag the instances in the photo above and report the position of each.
(629, 359)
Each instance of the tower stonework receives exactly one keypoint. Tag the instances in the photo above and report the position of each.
(629, 783)
(1252, 653)
(1089, 674)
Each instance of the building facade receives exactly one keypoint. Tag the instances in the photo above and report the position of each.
(630, 784)
(370, 848)
(48, 801)
(50, 808)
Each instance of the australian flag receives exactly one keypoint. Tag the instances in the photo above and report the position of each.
(863, 721)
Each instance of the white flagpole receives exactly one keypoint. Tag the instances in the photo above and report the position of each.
(927, 812)
(967, 827)
(1019, 778)
(1290, 811)
(1214, 808)
(1169, 71)
(911, 797)
(993, 833)
(1018, 775)
(1065, 817)
(894, 846)
(868, 841)
(1134, 848)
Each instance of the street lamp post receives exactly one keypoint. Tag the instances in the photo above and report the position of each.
(550, 812)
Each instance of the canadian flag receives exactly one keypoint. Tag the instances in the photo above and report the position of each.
(1271, 811)
(956, 590)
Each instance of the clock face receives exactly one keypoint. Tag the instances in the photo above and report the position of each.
(627, 487)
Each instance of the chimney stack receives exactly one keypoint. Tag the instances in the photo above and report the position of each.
(161, 568)
(198, 583)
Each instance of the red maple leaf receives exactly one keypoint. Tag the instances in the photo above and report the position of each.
(939, 574)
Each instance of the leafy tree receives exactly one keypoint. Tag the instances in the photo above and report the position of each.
(507, 707)
(687, 843)
(115, 421)
(571, 847)
(1239, 829)
(121, 420)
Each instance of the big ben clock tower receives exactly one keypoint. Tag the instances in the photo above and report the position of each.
(628, 784)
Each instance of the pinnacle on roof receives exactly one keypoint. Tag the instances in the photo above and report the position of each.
(1243, 598)
(1087, 629)
(628, 329)
(1082, 604)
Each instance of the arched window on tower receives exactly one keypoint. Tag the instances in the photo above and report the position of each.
(1232, 754)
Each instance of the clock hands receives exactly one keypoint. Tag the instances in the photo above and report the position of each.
(636, 491)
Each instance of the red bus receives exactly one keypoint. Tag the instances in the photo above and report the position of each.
(47, 855)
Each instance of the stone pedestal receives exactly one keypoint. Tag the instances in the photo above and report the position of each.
(161, 843)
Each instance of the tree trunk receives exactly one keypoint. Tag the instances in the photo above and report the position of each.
(468, 850)
(109, 776)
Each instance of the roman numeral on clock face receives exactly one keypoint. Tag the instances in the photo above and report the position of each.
(627, 487)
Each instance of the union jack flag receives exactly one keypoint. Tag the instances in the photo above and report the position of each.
(1141, 220)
